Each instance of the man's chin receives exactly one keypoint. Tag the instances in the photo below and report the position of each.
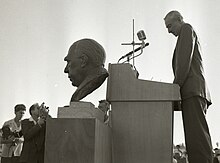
(176, 34)
(74, 84)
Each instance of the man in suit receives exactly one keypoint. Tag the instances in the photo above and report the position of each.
(189, 75)
(33, 130)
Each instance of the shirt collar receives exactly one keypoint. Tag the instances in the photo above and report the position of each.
(32, 120)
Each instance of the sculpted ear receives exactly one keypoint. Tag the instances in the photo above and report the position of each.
(84, 60)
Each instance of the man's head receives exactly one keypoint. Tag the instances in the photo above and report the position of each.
(19, 111)
(34, 110)
(83, 56)
(177, 155)
(174, 21)
(217, 152)
(104, 105)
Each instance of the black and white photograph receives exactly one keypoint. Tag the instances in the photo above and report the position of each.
(101, 81)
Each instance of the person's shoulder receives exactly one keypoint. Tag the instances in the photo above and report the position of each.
(186, 29)
(187, 26)
(9, 122)
(25, 120)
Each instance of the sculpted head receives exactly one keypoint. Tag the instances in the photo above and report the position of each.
(85, 67)
(84, 55)
(173, 21)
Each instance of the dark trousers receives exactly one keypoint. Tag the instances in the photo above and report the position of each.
(13, 159)
(197, 136)
(6, 160)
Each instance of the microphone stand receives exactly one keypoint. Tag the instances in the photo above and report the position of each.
(133, 44)
(143, 45)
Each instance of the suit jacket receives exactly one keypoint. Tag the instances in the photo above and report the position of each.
(187, 65)
(34, 140)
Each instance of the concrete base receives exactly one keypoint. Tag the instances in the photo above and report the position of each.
(80, 110)
(76, 140)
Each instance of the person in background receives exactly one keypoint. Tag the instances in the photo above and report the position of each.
(11, 138)
(179, 157)
(216, 158)
(34, 130)
(105, 107)
(189, 75)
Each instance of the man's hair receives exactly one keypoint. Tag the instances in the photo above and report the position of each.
(19, 107)
(33, 107)
(104, 101)
(107, 104)
(92, 49)
(174, 15)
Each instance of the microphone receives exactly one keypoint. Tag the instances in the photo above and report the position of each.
(135, 50)
(141, 35)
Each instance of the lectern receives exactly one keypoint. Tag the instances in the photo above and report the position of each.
(142, 116)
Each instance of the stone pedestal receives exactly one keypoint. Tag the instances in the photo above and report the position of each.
(78, 135)
(80, 110)
(77, 140)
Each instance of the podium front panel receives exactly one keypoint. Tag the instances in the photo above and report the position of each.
(142, 132)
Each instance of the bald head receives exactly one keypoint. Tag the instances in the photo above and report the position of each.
(92, 49)
(85, 56)
(174, 21)
(175, 15)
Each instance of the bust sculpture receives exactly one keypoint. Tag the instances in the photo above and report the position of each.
(85, 67)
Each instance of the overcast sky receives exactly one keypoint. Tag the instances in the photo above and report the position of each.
(35, 37)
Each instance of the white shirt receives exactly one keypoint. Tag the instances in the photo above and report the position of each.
(8, 149)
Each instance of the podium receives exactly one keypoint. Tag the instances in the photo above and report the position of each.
(142, 116)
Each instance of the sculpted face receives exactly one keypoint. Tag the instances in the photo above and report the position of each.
(85, 67)
(74, 68)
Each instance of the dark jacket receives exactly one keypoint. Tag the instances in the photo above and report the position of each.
(187, 65)
(34, 140)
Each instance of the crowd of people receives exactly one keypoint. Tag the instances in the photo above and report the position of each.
(22, 140)
(180, 154)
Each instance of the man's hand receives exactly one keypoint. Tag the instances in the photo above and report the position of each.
(43, 111)
(41, 121)
(18, 140)
(11, 138)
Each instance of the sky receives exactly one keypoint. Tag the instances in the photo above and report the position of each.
(35, 37)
